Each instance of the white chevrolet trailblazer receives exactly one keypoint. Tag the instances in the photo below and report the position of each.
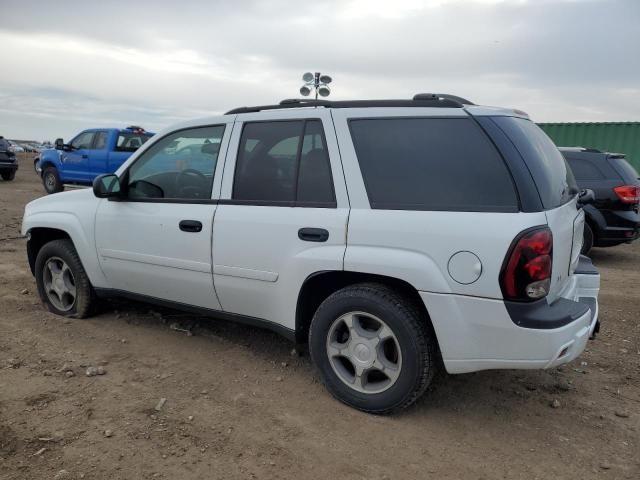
(391, 236)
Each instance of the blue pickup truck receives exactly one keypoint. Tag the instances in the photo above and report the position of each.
(91, 153)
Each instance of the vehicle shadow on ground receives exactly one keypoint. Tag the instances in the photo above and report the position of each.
(472, 395)
(620, 257)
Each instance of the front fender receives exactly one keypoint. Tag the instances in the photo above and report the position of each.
(79, 226)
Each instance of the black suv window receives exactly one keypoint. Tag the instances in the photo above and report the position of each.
(584, 170)
(431, 164)
(178, 166)
(285, 162)
(548, 167)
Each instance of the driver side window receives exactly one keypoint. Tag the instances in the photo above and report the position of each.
(83, 141)
(178, 166)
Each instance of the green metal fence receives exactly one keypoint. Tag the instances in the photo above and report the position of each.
(618, 137)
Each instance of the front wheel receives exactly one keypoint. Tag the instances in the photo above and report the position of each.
(373, 347)
(51, 180)
(63, 284)
(8, 176)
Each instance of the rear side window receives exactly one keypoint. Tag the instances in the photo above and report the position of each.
(584, 170)
(101, 140)
(130, 142)
(431, 164)
(284, 162)
(548, 167)
(625, 169)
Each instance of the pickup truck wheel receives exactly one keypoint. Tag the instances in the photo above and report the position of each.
(8, 176)
(51, 180)
(62, 283)
(587, 242)
(374, 350)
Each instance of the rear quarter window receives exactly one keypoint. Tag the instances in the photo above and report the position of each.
(625, 169)
(553, 179)
(445, 164)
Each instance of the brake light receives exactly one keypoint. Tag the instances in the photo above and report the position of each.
(526, 274)
(628, 193)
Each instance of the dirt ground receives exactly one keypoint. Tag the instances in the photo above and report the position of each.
(240, 405)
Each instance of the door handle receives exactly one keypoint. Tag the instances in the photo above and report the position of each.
(190, 226)
(313, 234)
(85, 156)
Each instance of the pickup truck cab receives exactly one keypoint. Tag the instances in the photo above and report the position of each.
(390, 236)
(91, 153)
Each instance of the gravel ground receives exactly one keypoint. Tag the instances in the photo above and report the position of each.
(233, 402)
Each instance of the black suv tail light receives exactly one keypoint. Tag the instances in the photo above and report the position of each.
(628, 193)
(526, 272)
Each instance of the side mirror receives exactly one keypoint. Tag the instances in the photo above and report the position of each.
(107, 186)
(59, 144)
(586, 196)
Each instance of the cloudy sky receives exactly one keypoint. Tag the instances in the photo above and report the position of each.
(71, 65)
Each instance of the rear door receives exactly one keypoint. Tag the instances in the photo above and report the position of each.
(558, 193)
(99, 155)
(282, 214)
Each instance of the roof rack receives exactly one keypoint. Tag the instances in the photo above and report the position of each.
(442, 96)
(439, 100)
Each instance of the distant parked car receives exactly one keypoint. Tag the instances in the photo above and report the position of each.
(8, 165)
(14, 147)
(614, 217)
(91, 153)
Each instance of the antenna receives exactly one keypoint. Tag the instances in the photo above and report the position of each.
(317, 82)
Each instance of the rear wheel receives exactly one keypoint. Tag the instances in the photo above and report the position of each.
(51, 180)
(374, 349)
(8, 176)
(587, 242)
(62, 283)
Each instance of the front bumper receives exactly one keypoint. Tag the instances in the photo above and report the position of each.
(479, 333)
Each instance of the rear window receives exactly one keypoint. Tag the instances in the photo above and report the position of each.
(584, 170)
(625, 169)
(130, 142)
(431, 164)
(553, 178)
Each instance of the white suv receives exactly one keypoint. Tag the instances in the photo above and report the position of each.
(393, 236)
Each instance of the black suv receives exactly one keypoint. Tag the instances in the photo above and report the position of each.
(8, 165)
(613, 218)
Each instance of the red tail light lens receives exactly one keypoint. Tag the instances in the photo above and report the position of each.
(526, 274)
(628, 193)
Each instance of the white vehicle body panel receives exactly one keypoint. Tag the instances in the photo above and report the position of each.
(257, 254)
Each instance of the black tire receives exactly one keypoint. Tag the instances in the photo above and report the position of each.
(85, 297)
(51, 180)
(588, 239)
(8, 176)
(413, 332)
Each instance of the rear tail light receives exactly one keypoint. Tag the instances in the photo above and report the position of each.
(526, 273)
(628, 193)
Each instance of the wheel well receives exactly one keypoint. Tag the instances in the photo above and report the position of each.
(38, 237)
(319, 286)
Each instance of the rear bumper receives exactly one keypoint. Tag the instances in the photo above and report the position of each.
(479, 334)
(8, 166)
(622, 226)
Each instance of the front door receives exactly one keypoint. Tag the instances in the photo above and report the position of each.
(282, 214)
(156, 242)
(75, 161)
